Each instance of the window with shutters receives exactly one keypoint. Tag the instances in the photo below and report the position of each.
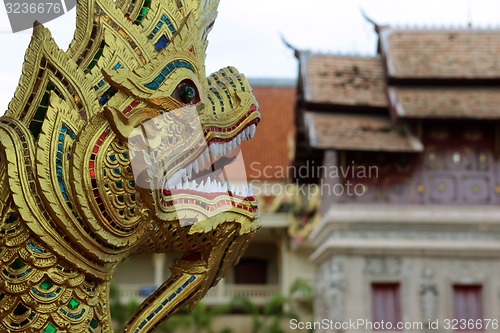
(468, 304)
(386, 305)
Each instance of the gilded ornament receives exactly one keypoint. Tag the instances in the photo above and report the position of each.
(75, 202)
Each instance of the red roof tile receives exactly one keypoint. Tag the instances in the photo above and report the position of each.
(269, 149)
(441, 54)
(442, 102)
(358, 132)
(343, 80)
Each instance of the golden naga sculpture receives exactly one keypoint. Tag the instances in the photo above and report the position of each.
(107, 151)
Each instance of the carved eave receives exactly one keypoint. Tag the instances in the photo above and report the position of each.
(53, 65)
(408, 230)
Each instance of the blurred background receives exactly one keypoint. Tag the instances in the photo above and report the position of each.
(376, 166)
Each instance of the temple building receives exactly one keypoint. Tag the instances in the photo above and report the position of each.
(404, 148)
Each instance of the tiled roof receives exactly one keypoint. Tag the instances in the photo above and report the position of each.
(441, 54)
(269, 149)
(342, 80)
(358, 132)
(446, 102)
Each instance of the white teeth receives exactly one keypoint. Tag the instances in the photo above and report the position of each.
(253, 129)
(250, 190)
(213, 151)
(206, 156)
(175, 178)
(201, 161)
(180, 180)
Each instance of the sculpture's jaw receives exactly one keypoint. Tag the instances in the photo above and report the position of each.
(211, 183)
(188, 161)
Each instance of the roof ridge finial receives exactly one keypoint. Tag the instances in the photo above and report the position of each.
(469, 14)
(296, 51)
(370, 20)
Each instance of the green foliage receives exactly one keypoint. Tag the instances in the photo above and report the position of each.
(120, 312)
(199, 320)
(303, 293)
(270, 318)
(265, 319)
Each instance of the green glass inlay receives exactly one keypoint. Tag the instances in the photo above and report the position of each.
(73, 304)
(50, 329)
(96, 58)
(17, 264)
(36, 123)
(94, 324)
(46, 285)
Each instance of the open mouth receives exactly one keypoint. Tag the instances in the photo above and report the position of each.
(207, 181)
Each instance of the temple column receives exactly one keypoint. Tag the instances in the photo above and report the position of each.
(159, 260)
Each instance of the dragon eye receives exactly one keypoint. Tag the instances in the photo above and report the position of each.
(187, 92)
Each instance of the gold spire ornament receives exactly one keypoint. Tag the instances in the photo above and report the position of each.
(119, 146)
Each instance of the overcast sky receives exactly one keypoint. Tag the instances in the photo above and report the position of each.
(247, 32)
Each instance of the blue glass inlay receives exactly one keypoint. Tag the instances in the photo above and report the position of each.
(159, 79)
(161, 43)
(117, 66)
(165, 71)
(103, 100)
(153, 85)
(34, 248)
(107, 95)
(63, 133)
